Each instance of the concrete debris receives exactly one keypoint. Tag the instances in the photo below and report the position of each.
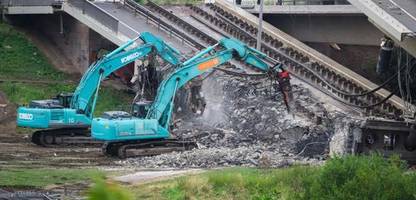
(15, 195)
(256, 129)
(249, 156)
(344, 129)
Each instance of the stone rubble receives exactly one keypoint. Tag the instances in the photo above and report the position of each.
(256, 129)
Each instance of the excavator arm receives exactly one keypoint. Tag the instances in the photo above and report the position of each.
(203, 62)
(83, 100)
(124, 131)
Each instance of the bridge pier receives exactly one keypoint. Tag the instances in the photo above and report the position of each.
(67, 43)
(2, 13)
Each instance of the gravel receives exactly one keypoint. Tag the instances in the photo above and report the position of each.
(245, 123)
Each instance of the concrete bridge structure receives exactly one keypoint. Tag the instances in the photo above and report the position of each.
(79, 26)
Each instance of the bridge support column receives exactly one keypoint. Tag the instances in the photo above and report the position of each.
(3, 15)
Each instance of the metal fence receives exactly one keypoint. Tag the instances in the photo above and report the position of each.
(30, 2)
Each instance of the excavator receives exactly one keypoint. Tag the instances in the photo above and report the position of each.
(145, 131)
(69, 115)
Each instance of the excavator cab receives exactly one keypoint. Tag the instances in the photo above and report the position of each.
(141, 108)
(64, 99)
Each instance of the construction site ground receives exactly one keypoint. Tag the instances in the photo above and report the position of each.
(244, 126)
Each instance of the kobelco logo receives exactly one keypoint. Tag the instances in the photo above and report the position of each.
(25, 116)
(130, 57)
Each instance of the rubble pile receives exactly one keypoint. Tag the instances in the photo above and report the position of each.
(252, 128)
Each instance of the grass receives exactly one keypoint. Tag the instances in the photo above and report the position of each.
(20, 59)
(350, 177)
(39, 178)
(23, 93)
(231, 183)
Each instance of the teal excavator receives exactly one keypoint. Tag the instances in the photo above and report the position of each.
(70, 114)
(147, 127)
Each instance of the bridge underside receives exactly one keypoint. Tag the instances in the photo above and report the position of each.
(340, 29)
(396, 18)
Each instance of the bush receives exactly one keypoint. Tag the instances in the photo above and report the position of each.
(106, 190)
(349, 177)
(361, 177)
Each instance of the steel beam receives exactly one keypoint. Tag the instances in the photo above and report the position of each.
(389, 24)
(19, 10)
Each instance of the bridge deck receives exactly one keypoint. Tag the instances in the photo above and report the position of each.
(139, 24)
(402, 10)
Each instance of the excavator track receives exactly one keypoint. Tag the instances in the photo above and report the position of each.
(139, 148)
(64, 137)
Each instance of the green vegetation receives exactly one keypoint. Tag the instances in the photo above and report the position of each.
(42, 177)
(350, 177)
(111, 99)
(23, 93)
(106, 190)
(369, 177)
(20, 60)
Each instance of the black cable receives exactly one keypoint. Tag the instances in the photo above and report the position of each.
(380, 86)
(363, 107)
(380, 102)
(348, 94)
(330, 94)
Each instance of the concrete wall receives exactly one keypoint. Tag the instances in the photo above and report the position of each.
(361, 59)
(98, 43)
(349, 29)
(356, 37)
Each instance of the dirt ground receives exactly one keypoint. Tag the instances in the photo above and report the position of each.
(17, 151)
